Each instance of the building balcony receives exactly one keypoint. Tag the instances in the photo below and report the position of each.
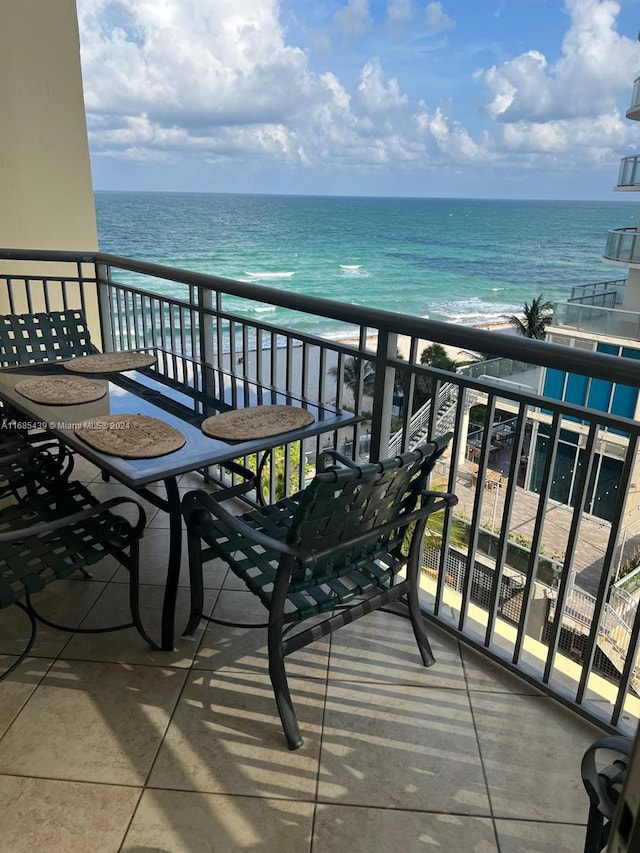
(623, 247)
(629, 174)
(535, 638)
(633, 112)
(600, 321)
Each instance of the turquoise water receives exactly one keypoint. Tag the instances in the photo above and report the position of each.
(446, 259)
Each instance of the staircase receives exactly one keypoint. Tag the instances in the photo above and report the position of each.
(445, 418)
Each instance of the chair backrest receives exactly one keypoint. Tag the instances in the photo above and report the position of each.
(31, 338)
(344, 502)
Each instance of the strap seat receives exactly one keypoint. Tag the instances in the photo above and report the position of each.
(336, 548)
(52, 532)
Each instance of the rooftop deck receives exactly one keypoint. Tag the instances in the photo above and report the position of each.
(103, 739)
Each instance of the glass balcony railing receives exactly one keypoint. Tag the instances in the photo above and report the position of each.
(633, 112)
(523, 568)
(623, 245)
(629, 174)
(605, 321)
(604, 294)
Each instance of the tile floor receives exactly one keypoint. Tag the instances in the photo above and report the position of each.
(108, 746)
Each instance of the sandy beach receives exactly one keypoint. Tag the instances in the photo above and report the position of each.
(455, 354)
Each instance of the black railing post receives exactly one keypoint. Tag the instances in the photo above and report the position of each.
(383, 395)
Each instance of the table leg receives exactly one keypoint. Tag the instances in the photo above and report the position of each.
(173, 567)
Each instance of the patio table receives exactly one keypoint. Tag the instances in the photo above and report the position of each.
(142, 392)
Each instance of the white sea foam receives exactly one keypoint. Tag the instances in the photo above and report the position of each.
(279, 274)
(353, 271)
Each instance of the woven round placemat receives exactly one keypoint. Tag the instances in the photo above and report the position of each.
(61, 390)
(256, 422)
(131, 436)
(110, 362)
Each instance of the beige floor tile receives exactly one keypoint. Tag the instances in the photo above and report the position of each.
(128, 646)
(17, 687)
(382, 647)
(63, 817)
(345, 829)
(154, 554)
(398, 746)
(226, 737)
(224, 648)
(531, 750)
(517, 836)
(93, 722)
(484, 674)
(66, 602)
(84, 470)
(113, 489)
(183, 822)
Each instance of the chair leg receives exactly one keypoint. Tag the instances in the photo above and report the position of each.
(417, 623)
(280, 686)
(196, 582)
(597, 834)
(417, 619)
(28, 647)
(134, 593)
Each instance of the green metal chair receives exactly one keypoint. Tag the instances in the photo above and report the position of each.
(337, 548)
(45, 336)
(28, 459)
(51, 532)
(604, 780)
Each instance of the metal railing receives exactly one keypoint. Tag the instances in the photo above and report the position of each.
(603, 294)
(629, 172)
(599, 320)
(623, 245)
(194, 320)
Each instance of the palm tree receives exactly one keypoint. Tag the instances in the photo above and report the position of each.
(536, 317)
(351, 375)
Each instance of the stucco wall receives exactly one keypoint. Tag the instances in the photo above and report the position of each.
(46, 195)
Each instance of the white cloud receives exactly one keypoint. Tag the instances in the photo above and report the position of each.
(216, 79)
(220, 82)
(400, 11)
(593, 69)
(353, 20)
(437, 19)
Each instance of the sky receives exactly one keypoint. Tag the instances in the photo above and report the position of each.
(456, 98)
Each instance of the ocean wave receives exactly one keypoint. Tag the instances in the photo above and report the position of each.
(473, 317)
(354, 271)
(266, 275)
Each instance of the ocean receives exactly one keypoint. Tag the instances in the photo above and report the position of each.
(458, 260)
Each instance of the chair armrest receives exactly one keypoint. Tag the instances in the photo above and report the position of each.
(448, 498)
(198, 500)
(74, 518)
(322, 460)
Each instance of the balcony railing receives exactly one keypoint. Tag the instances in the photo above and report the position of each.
(623, 246)
(505, 569)
(633, 112)
(612, 322)
(629, 173)
(603, 294)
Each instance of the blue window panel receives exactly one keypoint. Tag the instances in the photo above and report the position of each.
(576, 389)
(624, 401)
(609, 349)
(627, 352)
(599, 395)
(554, 384)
